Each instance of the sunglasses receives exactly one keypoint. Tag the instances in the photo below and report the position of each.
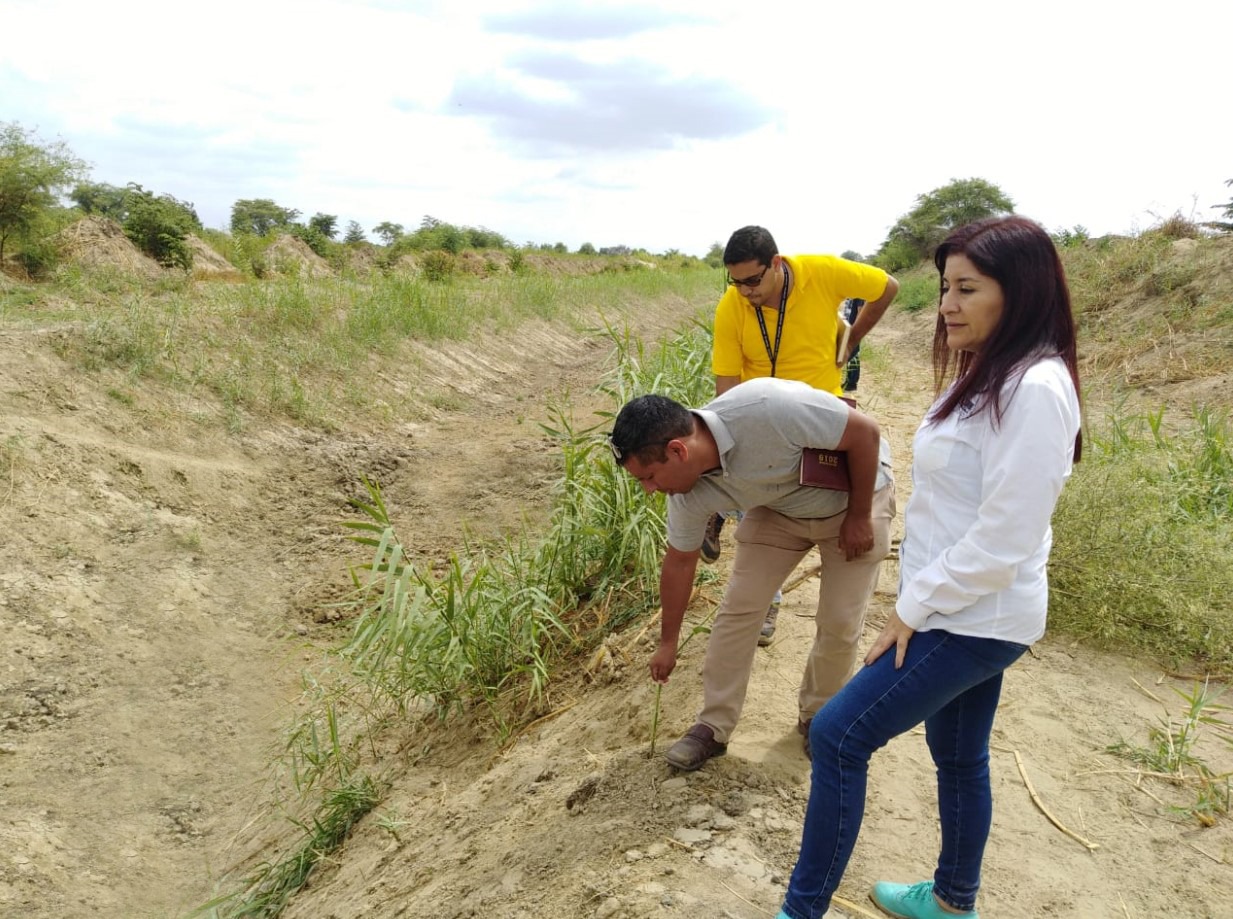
(751, 281)
(621, 453)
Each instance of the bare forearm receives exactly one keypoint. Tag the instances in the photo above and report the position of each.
(861, 440)
(676, 582)
(872, 311)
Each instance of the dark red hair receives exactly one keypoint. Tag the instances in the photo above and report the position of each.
(1036, 318)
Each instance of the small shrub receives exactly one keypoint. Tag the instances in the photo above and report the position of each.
(244, 250)
(38, 258)
(159, 227)
(1177, 227)
(439, 265)
(312, 237)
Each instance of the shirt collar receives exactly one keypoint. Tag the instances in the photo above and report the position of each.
(723, 438)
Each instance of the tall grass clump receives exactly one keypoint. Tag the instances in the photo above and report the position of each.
(292, 346)
(1142, 537)
(1102, 271)
(489, 629)
(679, 368)
(918, 290)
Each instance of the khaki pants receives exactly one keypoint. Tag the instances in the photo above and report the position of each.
(768, 547)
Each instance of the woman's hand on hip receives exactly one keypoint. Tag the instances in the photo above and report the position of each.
(893, 635)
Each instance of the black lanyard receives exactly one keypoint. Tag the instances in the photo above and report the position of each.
(783, 308)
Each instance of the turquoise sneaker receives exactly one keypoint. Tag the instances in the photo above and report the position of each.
(911, 901)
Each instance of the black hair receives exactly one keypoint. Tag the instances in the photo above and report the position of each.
(750, 244)
(646, 424)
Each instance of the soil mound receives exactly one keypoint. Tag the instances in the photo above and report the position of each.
(362, 257)
(481, 264)
(292, 256)
(97, 242)
(208, 264)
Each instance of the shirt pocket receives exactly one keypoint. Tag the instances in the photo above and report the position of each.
(934, 452)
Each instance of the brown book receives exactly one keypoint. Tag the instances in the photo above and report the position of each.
(841, 342)
(825, 469)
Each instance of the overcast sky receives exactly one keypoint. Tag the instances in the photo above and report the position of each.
(662, 125)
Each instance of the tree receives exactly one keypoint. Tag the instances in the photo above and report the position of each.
(390, 233)
(715, 256)
(354, 234)
(101, 199)
(917, 233)
(852, 255)
(481, 238)
(325, 224)
(586, 249)
(260, 216)
(1068, 239)
(32, 177)
(1226, 225)
(159, 226)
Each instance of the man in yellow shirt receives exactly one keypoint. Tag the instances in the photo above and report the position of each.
(780, 317)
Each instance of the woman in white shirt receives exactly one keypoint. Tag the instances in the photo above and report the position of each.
(989, 462)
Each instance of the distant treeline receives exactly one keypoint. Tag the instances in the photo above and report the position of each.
(36, 178)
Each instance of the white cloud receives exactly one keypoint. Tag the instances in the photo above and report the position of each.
(664, 125)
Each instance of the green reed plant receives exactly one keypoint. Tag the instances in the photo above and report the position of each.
(1142, 530)
(330, 792)
(699, 628)
(679, 368)
(268, 889)
(1172, 753)
(1203, 473)
(488, 629)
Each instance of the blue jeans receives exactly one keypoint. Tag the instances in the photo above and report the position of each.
(952, 684)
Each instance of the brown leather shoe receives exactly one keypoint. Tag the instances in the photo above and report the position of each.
(711, 547)
(695, 748)
(802, 728)
(768, 626)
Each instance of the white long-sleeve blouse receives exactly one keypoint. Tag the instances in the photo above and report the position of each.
(977, 527)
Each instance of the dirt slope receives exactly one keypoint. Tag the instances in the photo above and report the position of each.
(575, 820)
(159, 592)
(161, 588)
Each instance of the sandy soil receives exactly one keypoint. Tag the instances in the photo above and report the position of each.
(162, 587)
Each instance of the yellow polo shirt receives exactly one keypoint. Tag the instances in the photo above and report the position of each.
(811, 321)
